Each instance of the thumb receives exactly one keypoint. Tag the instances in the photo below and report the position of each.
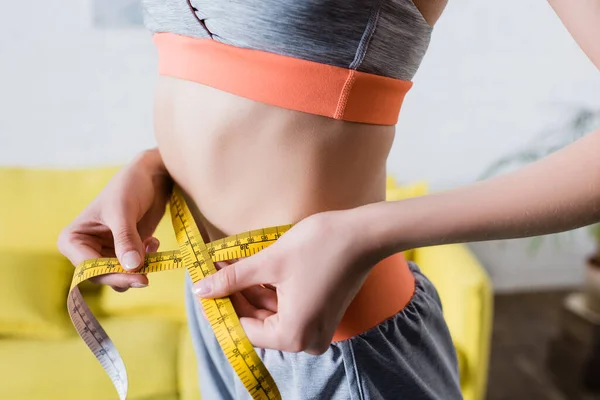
(129, 247)
(230, 279)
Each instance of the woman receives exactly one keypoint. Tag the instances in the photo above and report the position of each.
(270, 113)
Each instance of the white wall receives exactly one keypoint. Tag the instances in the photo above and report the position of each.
(69, 94)
(496, 73)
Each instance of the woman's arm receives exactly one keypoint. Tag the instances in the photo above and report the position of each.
(582, 20)
(558, 193)
(320, 264)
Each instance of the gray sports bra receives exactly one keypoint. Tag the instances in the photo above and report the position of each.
(358, 38)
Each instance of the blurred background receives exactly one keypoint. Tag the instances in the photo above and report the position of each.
(502, 84)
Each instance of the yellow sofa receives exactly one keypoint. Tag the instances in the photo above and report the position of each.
(42, 358)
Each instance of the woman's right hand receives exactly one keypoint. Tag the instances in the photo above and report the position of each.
(120, 221)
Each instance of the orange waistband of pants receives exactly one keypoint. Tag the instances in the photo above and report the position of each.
(386, 291)
(283, 81)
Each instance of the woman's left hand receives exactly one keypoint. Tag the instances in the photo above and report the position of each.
(316, 268)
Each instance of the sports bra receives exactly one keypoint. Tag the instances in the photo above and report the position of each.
(351, 60)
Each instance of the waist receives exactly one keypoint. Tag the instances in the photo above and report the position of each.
(387, 290)
(247, 165)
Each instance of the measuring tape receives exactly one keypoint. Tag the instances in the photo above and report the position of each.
(199, 259)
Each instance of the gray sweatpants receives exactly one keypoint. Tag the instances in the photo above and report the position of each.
(409, 356)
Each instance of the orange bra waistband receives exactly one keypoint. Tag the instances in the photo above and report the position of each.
(283, 81)
(386, 291)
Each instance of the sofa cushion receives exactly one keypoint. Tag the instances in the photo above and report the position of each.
(163, 298)
(67, 370)
(188, 382)
(400, 192)
(33, 292)
(37, 204)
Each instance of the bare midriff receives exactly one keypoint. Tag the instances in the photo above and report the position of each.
(246, 165)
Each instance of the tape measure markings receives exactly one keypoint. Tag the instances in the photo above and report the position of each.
(226, 323)
(198, 257)
(103, 345)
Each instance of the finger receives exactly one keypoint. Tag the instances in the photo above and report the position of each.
(261, 298)
(244, 309)
(219, 265)
(108, 252)
(237, 303)
(151, 245)
(76, 249)
(77, 252)
(122, 282)
(129, 248)
(263, 333)
(233, 278)
(268, 334)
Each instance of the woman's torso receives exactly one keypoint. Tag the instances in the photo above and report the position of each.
(246, 164)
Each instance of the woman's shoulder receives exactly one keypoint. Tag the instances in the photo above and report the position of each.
(431, 9)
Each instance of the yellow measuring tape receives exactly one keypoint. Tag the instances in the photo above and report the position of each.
(198, 257)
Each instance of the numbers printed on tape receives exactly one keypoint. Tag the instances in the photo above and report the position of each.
(198, 257)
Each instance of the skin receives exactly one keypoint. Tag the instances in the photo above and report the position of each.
(329, 177)
(121, 220)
